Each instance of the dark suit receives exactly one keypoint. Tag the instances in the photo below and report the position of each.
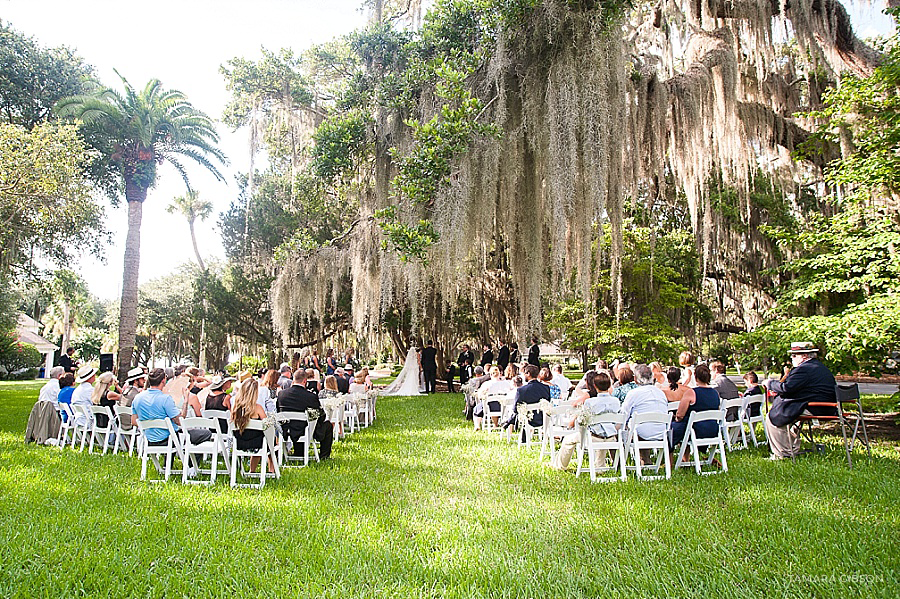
(465, 361)
(67, 363)
(298, 399)
(503, 358)
(343, 383)
(530, 393)
(487, 358)
(534, 355)
(811, 381)
(429, 368)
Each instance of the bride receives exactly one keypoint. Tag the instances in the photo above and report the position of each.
(408, 382)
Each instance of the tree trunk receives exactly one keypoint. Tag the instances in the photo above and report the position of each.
(201, 361)
(67, 325)
(135, 194)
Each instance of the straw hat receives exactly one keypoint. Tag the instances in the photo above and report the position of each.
(135, 374)
(803, 347)
(218, 382)
(244, 375)
(84, 374)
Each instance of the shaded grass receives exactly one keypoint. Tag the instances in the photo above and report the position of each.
(419, 505)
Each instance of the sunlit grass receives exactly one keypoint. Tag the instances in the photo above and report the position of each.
(420, 505)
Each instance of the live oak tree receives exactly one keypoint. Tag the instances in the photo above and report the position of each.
(136, 131)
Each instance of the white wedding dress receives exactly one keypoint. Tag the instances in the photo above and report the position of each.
(408, 382)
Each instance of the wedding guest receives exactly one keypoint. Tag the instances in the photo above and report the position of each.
(358, 385)
(751, 380)
(644, 398)
(561, 381)
(496, 384)
(808, 380)
(105, 394)
(284, 379)
(297, 398)
(331, 388)
(686, 360)
(82, 395)
(244, 409)
(532, 392)
(154, 404)
(603, 402)
(705, 398)
(312, 381)
(580, 394)
(626, 381)
(66, 387)
(343, 380)
(219, 398)
(724, 387)
(50, 391)
(659, 377)
(545, 377)
(267, 391)
(479, 379)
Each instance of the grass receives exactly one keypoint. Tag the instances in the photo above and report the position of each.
(419, 505)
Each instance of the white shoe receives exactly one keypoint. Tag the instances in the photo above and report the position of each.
(192, 472)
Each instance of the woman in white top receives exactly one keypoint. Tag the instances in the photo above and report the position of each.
(496, 384)
(686, 359)
(358, 384)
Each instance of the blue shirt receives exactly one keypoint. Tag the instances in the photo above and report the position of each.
(65, 396)
(153, 404)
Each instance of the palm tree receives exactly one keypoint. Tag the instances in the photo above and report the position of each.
(136, 132)
(192, 207)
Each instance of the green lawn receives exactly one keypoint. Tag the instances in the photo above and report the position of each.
(419, 505)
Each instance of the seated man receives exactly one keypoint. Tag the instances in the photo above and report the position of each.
(343, 380)
(154, 404)
(603, 402)
(809, 380)
(646, 397)
(532, 392)
(297, 398)
(724, 387)
(51, 389)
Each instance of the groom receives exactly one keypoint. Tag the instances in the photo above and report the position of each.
(429, 367)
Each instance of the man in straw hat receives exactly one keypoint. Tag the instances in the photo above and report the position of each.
(808, 380)
(135, 382)
(84, 382)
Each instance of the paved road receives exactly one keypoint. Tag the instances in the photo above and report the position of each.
(865, 388)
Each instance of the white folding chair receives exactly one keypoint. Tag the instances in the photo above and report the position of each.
(351, 414)
(715, 444)
(530, 435)
(130, 435)
(556, 426)
(732, 429)
(171, 449)
(66, 425)
(591, 444)
(214, 448)
(487, 422)
(84, 422)
(264, 453)
(751, 421)
(306, 441)
(107, 431)
(220, 416)
(635, 444)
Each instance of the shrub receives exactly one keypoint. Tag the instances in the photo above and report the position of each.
(15, 356)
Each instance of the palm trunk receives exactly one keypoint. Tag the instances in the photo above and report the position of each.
(135, 194)
(201, 361)
(67, 325)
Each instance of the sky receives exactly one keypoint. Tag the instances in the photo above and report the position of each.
(183, 44)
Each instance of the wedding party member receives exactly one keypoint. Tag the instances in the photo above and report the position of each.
(429, 367)
(465, 360)
(487, 357)
(534, 352)
(704, 398)
(50, 390)
(532, 392)
(330, 362)
(601, 403)
(297, 398)
(502, 356)
(514, 356)
(808, 380)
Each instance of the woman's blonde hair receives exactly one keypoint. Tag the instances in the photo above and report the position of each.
(243, 404)
(331, 383)
(103, 383)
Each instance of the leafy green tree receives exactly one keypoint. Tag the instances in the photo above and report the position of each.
(137, 131)
(33, 78)
(72, 299)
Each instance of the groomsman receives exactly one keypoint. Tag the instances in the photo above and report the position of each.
(534, 352)
(429, 367)
(465, 360)
(502, 356)
(487, 356)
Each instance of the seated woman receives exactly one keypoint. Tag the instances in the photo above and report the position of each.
(331, 388)
(358, 384)
(367, 380)
(105, 394)
(703, 398)
(66, 387)
(626, 382)
(268, 390)
(496, 384)
(219, 398)
(582, 394)
(546, 377)
(244, 409)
